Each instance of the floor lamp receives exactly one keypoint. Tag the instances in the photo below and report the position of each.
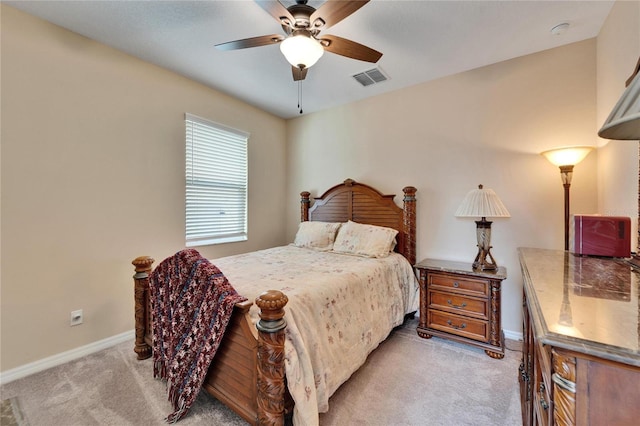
(566, 159)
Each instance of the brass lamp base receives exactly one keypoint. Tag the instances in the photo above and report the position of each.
(484, 261)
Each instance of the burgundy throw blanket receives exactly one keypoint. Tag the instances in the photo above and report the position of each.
(192, 302)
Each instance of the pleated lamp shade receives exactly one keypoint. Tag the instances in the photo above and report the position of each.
(624, 121)
(482, 202)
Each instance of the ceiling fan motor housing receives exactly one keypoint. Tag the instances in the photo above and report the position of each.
(301, 12)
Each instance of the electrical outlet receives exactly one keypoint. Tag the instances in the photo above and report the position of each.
(76, 317)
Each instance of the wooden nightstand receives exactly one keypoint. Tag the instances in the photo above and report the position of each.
(462, 304)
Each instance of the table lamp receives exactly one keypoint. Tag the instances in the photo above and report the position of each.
(483, 203)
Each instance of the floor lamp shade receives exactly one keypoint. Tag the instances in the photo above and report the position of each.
(569, 156)
(483, 203)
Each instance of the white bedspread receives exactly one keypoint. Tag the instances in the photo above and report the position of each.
(340, 308)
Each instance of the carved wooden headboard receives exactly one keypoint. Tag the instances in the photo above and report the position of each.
(361, 203)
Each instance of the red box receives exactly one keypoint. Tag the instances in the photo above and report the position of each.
(597, 235)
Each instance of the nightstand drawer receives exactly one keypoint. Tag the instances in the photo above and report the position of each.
(455, 303)
(461, 326)
(476, 287)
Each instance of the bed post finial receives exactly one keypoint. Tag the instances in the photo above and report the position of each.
(410, 223)
(304, 206)
(271, 380)
(141, 287)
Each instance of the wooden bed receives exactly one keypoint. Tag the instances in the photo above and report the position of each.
(248, 374)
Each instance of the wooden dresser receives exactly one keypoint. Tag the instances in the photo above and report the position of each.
(460, 303)
(581, 352)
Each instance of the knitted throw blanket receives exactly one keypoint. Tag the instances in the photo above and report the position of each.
(191, 302)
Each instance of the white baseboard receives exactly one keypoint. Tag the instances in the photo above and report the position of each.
(513, 335)
(61, 358)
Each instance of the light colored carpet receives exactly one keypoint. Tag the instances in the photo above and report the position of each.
(406, 381)
(410, 381)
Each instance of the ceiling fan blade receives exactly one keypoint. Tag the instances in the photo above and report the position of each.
(250, 42)
(299, 74)
(334, 11)
(278, 11)
(348, 48)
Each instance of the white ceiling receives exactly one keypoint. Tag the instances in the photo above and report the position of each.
(420, 40)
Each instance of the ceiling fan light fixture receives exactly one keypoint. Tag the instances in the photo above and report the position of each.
(301, 51)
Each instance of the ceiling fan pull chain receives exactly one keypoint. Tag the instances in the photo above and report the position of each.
(300, 96)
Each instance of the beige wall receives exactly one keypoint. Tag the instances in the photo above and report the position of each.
(92, 166)
(618, 52)
(485, 126)
(92, 176)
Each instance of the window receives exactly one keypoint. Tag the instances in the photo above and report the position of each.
(216, 183)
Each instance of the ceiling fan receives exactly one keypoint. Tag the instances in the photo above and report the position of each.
(303, 45)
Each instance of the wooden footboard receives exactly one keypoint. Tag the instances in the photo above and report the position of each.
(247, 373)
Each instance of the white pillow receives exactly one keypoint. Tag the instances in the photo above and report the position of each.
(365, 240)
(316, 235)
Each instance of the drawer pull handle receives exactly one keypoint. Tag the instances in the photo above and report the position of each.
(544, 404)
(456, 284)
(457, 327)
(524, 376)
(464, 304)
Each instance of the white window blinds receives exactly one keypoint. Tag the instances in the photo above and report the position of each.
(216, 183)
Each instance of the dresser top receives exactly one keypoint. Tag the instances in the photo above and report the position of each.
(461, 268)
(586, 304)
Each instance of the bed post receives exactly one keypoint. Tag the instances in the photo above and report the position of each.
(410, 223)
(271, 374)
(141, 279)
(304, 206)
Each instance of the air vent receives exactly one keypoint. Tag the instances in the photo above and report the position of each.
(372, 76)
